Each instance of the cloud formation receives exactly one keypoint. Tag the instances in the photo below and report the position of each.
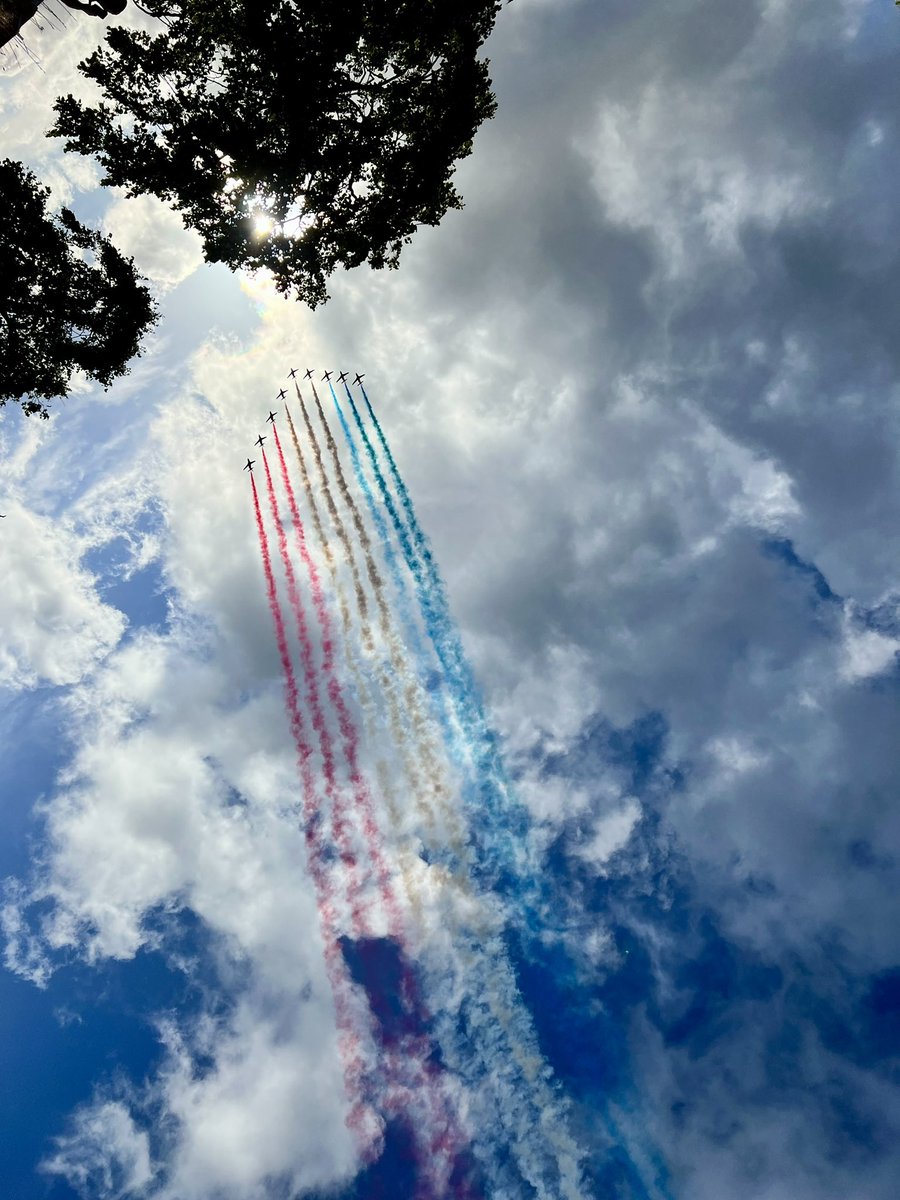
(643, 391)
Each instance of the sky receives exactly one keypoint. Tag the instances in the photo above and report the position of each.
(642, 390)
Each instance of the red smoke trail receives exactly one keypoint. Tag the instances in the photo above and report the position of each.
(341, 828)
(341, 987)
(447, 1139)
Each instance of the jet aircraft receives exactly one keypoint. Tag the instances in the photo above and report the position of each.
(259, 441)
(359, 379)
(282, 394)
(328, 375)
(270, 419)
(293, 372)
(249, 466)
(343, 375)
(308, 374)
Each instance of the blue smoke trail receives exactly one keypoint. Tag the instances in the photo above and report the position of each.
(493, 1012)
(496, 815)
(490, 786)
(495, 856)
(418, 534)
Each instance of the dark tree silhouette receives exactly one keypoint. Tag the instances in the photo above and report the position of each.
(295, 135)
(13, 15)
(68, 298)
(97, 8)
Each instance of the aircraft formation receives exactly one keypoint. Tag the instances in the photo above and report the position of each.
(419, 865)
(343, 376)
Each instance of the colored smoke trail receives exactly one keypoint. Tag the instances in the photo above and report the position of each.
(482, 1021)
(426, 783)
(397, 730)
(413, 887)
(412, 690)
(394, 711)
(443, 1138)
(351, 1022)
(364, 807)
(359, 590)
(492, 796)
(494, 784)
(484, 1031)
(341, 828)
(363, 691)
(495, 980)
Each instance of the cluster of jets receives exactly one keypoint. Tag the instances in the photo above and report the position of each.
(270, 419)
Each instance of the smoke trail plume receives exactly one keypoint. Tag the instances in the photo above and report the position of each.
(490, 789)
(491, 969)
(341, 828)
(495, 791)
(426, 783)
(443, 1136)
(386, 785)
(363, 800)
(351, 1022)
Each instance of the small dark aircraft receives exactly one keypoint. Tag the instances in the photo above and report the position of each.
(359, 379)
(293, 372)
(282, 394)
(308, 374)
(328, 375)
(343, 376)
(259, 441)
(270, 419)
(249, 466)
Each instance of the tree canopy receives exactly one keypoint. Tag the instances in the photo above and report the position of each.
(68, 299)
(295, 135)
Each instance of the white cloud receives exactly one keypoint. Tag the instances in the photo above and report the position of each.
(600, 459)
(271, 1107)
(867, 652)
(55, 626)
(610, 834)
(103, 1154)
(153, 235)
(26, 105)
(669, 162)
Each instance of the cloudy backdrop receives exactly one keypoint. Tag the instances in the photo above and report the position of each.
(644, 392)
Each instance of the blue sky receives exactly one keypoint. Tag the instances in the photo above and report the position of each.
(643, 389)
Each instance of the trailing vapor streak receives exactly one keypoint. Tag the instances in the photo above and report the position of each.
(492, 969)
(367, 704)
(412, 691)
(361, 600)
(350, 1019)
(444, 1138)
(363, 799)
(422, 788)
(482, 971)
(341, 828)
(413, 888)
(394, 712)
(489, 761)
(431, 593)
(398, 731)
